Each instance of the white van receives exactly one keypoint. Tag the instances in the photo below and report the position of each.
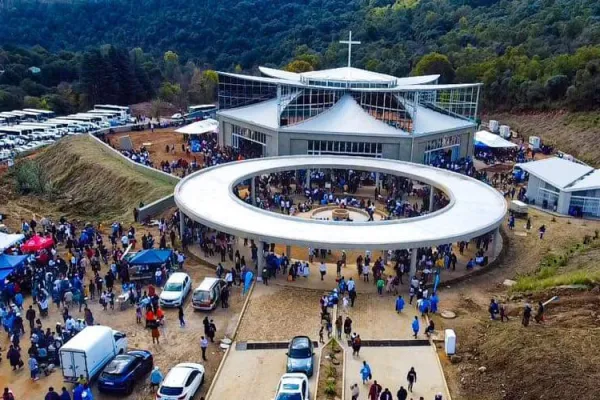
(89, 351)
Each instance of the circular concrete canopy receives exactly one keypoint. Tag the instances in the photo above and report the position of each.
(207, 197)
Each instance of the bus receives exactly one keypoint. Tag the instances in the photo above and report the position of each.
(48, 132)
(113, 117)
(10, 118)
(72, 126)
(202, 111)
(45, 113)
(17, 132)
(123, 110)
(30, 115)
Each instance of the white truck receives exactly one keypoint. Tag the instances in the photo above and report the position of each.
(89, 351)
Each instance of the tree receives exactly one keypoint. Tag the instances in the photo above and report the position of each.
(298, 66)
(169, 92)
(435, 63)
(557, 86)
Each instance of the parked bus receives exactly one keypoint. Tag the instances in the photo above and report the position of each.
(30, 115)
(123, 110)
(10, 118)
(202, 111)
(45, 113)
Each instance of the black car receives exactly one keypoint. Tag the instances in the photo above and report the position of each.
(124, 370)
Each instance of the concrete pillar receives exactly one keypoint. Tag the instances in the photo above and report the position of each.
(181, 224)
(496, 242)
(288, 251)
(253, 190)
(377, 179)
(307, 178)
(413, 262)
(261, 256)
(385, 257)
(431, 197)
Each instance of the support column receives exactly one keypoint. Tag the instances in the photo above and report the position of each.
(385, 257)
(253, 190)
(496, 242)
(431, 197)
(413, 263)
(307, 178)
(288, 252)
(181, 224)
(377, 180)
(261, 256)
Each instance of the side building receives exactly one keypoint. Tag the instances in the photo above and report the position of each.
(347, 111)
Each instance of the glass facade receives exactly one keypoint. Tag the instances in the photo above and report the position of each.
(589, 206)
(387, 107)
(457, 102)
(237, 92)
(297, 105)
(323, 147)
(447, 147)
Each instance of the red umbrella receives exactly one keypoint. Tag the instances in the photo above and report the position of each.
(37, 243)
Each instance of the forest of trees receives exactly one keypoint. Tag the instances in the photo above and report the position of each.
(530, 54)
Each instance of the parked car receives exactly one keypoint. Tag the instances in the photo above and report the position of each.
(207, 295)
(292, 386)
(120, 375)
(300, 356)
(182, 382)
(176, 289)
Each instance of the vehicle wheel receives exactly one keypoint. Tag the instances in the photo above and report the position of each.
(202, 380)
(121, 351)
(129, 388)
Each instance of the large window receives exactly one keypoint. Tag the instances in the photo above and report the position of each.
(387, 107)
(328, 147)
(237, 92)
(298, 105)
(446, 148)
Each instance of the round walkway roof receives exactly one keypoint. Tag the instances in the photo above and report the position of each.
(207, 197)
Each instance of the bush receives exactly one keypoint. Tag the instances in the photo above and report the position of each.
(330, 389)
(30, 177)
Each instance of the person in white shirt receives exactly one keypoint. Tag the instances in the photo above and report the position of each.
(322, 269)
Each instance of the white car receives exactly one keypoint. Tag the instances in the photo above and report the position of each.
(292, 386)
(176, 289)
(182, 382)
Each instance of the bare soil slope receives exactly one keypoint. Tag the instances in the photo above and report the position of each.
(91, 183)
(574, 133)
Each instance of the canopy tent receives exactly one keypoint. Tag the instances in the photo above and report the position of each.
(200, 127)
(11, 262)
(37, 243)
(3, 274)
(488, 139)
(151, 257)
(8, 239)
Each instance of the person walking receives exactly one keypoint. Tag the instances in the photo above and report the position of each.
(212, 330)
(411, 377)
(156, 378)
(386, 395)
(338, 326)
(365, 373)
(415, 326)
(356, 344)
(380, 285)
(374, 391)
(64, 394)
(155, 332)
(352, 294)
(30, 316)
(181, 320)
(402, 393)
(347, 327)
(51, 395)
(34, 368)
(399, 304)
(203, 347)
(354, 391)
(322, 269)
(526, 315)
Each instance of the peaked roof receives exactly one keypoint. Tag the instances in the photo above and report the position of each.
(10, 262)
(556, 171)
(263, 114)
(345, 117)
(151, 256)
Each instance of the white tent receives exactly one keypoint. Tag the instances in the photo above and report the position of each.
(8, 239)
(200, 127)
(489, 139)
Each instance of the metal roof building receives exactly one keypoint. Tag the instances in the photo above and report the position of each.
(347, 111)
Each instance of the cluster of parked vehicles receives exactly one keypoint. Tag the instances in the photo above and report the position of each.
(25, 130)
(100, 353)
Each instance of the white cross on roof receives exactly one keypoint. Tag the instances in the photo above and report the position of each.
(349, 42)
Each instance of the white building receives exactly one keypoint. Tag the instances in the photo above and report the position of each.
(563, 186)
(347, 111)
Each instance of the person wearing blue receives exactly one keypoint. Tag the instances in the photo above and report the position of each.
(424, 306)
(78, 392)
(156, 378)
(399, 304)
(87, 393)
(415, 326)
(365, 373)
(64, 394)
(34, 368)
(433, 303)
(493, 309)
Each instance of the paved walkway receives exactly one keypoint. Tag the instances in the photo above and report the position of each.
(390, 365)
(254, 374)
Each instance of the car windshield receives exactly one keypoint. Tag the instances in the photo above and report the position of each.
(202, 295)
(117, 365)
(300, 348)
(170, 391)
(173, 287)
(289, 396)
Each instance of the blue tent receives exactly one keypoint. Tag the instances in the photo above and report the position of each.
(3, 274)
(151, 257)
(11, 262)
